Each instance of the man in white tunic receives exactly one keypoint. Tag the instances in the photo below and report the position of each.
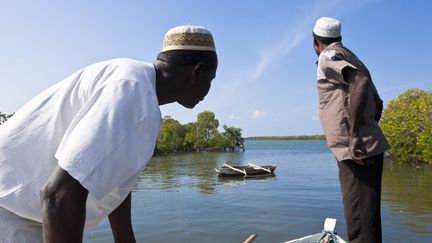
(72, 154)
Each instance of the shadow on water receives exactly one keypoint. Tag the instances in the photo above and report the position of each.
(231, 179)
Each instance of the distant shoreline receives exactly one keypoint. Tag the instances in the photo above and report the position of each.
(301, 137)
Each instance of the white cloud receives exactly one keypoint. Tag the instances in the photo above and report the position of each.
(233, 117)
(294, 36)
(257, 114)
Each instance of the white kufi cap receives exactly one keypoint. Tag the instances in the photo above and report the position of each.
(188, 37)
(327, 27)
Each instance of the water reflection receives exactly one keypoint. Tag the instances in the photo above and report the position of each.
(406, 189)
(191, 170)
(271, 177)
(407, 192)
(179, 198)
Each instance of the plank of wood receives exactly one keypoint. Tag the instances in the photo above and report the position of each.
(259, 167)
(251, 238)
(235, 169)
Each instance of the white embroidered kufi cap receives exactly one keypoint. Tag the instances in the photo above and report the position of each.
(327, 27)
(188, 37)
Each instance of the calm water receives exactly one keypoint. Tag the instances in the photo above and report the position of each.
(179, 198)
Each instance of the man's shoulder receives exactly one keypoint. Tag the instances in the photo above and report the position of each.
(118, 63)
(125, 63)
(331, 55)
(124, 60)
(337, 54)
(120, 69)
(334, 52)
(344, 52)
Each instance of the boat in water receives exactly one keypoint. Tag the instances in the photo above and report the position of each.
(249, 170)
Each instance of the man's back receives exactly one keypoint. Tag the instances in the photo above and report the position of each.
(81, 124)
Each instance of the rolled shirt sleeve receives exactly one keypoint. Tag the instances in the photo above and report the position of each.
(330, 66)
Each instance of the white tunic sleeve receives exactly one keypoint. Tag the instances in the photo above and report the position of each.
(112, 137)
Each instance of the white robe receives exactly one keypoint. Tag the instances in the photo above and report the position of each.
(100, 125)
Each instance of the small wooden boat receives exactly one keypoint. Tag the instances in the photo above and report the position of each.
(328, 235)
(249, 170)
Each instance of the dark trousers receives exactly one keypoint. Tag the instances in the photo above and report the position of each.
(361, 191)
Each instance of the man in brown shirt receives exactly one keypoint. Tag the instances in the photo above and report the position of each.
(349, 110)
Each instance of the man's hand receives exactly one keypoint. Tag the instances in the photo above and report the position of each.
(357, 149)
(63, 202)
(121, 223)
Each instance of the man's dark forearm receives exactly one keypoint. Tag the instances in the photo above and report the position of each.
(63, 202)
(121, 223)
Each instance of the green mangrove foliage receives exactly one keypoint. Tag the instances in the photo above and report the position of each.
(407, 124)
(197, 136)
(4, 117)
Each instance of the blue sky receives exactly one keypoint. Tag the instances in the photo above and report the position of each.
(265, 82)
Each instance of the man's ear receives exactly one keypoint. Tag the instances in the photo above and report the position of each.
(198, 70)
